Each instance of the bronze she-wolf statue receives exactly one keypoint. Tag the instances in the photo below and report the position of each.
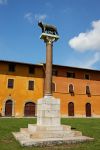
(49, 29)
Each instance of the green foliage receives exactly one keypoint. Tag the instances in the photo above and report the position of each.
(88, 126)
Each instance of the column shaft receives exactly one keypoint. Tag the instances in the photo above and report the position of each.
(48, 78)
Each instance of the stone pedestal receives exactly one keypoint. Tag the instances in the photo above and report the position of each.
(48, 130)
(48, 111)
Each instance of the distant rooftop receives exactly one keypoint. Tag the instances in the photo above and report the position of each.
(18, 62)
(41, 64)
(89, 69)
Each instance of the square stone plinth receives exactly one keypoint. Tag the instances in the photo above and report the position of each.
(48, 111)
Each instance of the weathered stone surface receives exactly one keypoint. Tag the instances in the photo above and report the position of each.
(32, 128)
(42, 132)
(48, 130)
(26, 141)
(48, 111)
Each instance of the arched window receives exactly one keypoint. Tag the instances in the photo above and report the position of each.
(29, 109)
(8, 108)
(88, 90)
(88, 109)
(71, 89)
(70, 109)
(53, 87)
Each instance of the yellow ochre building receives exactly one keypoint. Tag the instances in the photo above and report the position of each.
(22, 84)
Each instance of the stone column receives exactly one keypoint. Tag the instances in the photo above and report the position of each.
(48, 108)
(48, 77)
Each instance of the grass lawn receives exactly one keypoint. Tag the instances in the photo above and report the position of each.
(89, 127)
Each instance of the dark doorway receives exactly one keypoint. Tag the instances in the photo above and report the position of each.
(29, 109)
(88, 110)
(71, 109)
(8, 108)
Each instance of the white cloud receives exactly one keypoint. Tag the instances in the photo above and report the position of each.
(40, 17)
(89, 40)
(3, 2)
(29, 16)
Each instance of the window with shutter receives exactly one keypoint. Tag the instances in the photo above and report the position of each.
(10, 83)
(87, 77)
(31, 85)
(70, 74)
(31, 70)
(11, 67)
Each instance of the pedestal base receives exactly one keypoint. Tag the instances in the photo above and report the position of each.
(48, 130)
(48, 136)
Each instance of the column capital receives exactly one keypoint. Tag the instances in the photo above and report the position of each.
(49, 38)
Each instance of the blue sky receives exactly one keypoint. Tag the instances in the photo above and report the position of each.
(78, 23)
